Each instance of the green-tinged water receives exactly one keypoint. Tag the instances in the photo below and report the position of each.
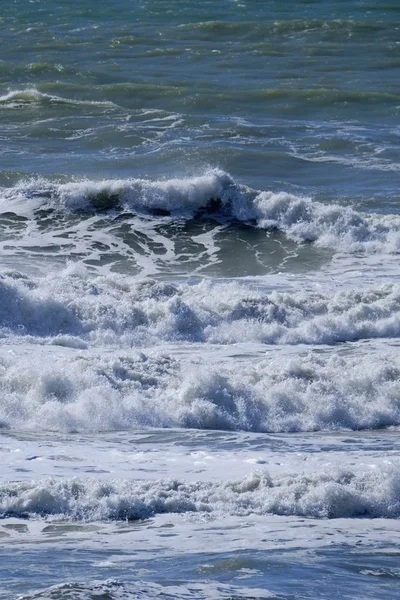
(299, 95)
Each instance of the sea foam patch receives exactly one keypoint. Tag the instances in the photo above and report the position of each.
(113, 589)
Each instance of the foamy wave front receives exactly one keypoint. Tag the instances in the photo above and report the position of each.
(112, 589)
(125, 312)
(215, 192)
(344, 493)
(80, 391)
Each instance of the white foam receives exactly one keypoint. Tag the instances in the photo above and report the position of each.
(77, 390)
(179, 196)
(31, 95)
(302, 219)
(71, 360)
(342, 493)
(118, 590)
(125, 312)
(332, 226)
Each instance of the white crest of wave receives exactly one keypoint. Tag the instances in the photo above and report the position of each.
(112, 589)
(300, 218)
(25, 95)
(329, 225)
(31, 95)
(179, 195)
(342, 493)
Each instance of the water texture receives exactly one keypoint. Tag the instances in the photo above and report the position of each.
(199, 299)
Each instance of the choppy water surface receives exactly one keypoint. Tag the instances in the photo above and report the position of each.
(199, 299)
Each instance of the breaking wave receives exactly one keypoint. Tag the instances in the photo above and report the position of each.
(18, 98)
(87, 392)
(371, 493)
(112, 589)
(216, 194)
(126, 312)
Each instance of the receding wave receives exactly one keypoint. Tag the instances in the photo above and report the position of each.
(344, 493)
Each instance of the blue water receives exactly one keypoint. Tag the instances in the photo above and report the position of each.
(296, 574)
(301, 95)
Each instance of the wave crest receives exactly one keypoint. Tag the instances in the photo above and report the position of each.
(216, 194)
(18, 98)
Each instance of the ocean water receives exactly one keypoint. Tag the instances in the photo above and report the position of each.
(199, 300)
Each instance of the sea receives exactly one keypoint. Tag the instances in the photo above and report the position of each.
(199, 300)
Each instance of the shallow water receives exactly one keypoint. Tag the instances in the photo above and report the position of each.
(228, 549)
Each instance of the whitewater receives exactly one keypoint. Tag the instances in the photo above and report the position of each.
(173, 359)
(199, 300)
